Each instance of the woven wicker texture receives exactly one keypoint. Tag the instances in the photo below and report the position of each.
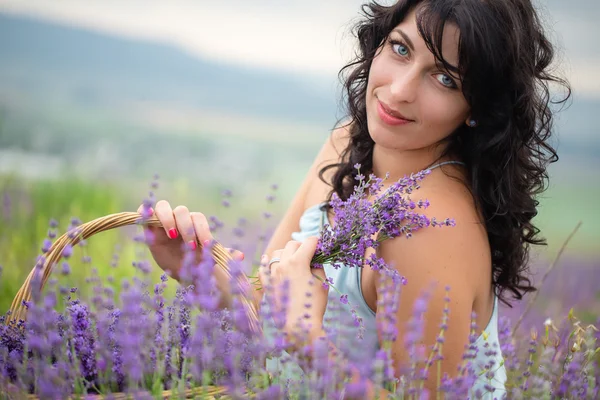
(88, 229)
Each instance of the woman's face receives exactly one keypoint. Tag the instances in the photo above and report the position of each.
(412, 103)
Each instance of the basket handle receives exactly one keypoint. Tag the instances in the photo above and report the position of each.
(221, 255)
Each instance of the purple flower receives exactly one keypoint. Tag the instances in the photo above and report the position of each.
(215, 223)
(273, 392)
(46, 245)
(83, 339)
(391, 214)
(328, 281)
(67, 251)
(65, 268)
(140, 340)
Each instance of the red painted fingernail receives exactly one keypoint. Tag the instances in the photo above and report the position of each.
(192, 244)
(172, 233)
(242, 256)
(206, 243)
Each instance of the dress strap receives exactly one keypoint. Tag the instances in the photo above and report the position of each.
(322, 220)
(445, 163)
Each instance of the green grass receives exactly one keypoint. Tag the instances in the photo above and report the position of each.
(561, 208)
(25, 222)
(22, 231)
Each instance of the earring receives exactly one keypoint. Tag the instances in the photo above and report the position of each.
(472, 123)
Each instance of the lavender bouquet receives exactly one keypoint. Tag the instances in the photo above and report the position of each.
(362, 223)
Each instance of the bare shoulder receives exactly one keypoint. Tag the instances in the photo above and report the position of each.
(331, 153)
(335, 145)
(450, 255)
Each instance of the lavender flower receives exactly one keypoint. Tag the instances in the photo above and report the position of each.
(140, 340)
(391, 214)
(83, 339)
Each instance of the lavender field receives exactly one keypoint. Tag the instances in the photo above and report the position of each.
(552, 351)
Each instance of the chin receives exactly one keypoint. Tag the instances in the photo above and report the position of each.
(386, 136)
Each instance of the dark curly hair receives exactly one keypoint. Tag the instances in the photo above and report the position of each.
(505, 64)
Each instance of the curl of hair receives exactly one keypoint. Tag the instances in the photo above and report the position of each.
(509, 94)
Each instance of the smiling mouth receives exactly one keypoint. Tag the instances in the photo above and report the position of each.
(393, 113)
(389, 116)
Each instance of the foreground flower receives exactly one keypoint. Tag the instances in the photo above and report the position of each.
(136, 339)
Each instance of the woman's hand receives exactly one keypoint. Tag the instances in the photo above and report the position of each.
(180, 228)
(294, 267)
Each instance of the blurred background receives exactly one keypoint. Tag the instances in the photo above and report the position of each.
(97, 97)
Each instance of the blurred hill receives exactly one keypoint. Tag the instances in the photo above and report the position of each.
(105, 104)
(93, 69)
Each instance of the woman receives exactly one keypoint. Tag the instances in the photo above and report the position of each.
(462, 88)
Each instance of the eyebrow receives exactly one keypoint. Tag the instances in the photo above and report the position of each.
(410, 45)
(409, 42)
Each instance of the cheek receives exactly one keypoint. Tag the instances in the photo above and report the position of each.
(377, 75)
(443, 113)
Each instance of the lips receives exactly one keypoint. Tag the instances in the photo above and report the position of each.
(392, 112)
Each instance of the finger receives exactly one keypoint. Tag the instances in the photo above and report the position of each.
(185, 226)
(202, 228)
(145, 210)
(164, 213)
(263, 271)
(306, 251)
(236, 254)
(290, 248)
(276, 254)
(273, 266)
(149, 230)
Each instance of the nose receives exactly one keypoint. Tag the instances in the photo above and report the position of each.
(405, 85)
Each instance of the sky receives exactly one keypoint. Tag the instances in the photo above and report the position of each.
(309, 37)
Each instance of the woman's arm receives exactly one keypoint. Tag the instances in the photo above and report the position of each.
(330, 152)
(457, 257)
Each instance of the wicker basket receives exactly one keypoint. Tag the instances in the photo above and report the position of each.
(221, 255)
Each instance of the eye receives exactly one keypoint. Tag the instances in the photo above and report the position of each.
(399, 48)
(446, 81)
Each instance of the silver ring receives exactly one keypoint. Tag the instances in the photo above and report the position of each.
(273, 261)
